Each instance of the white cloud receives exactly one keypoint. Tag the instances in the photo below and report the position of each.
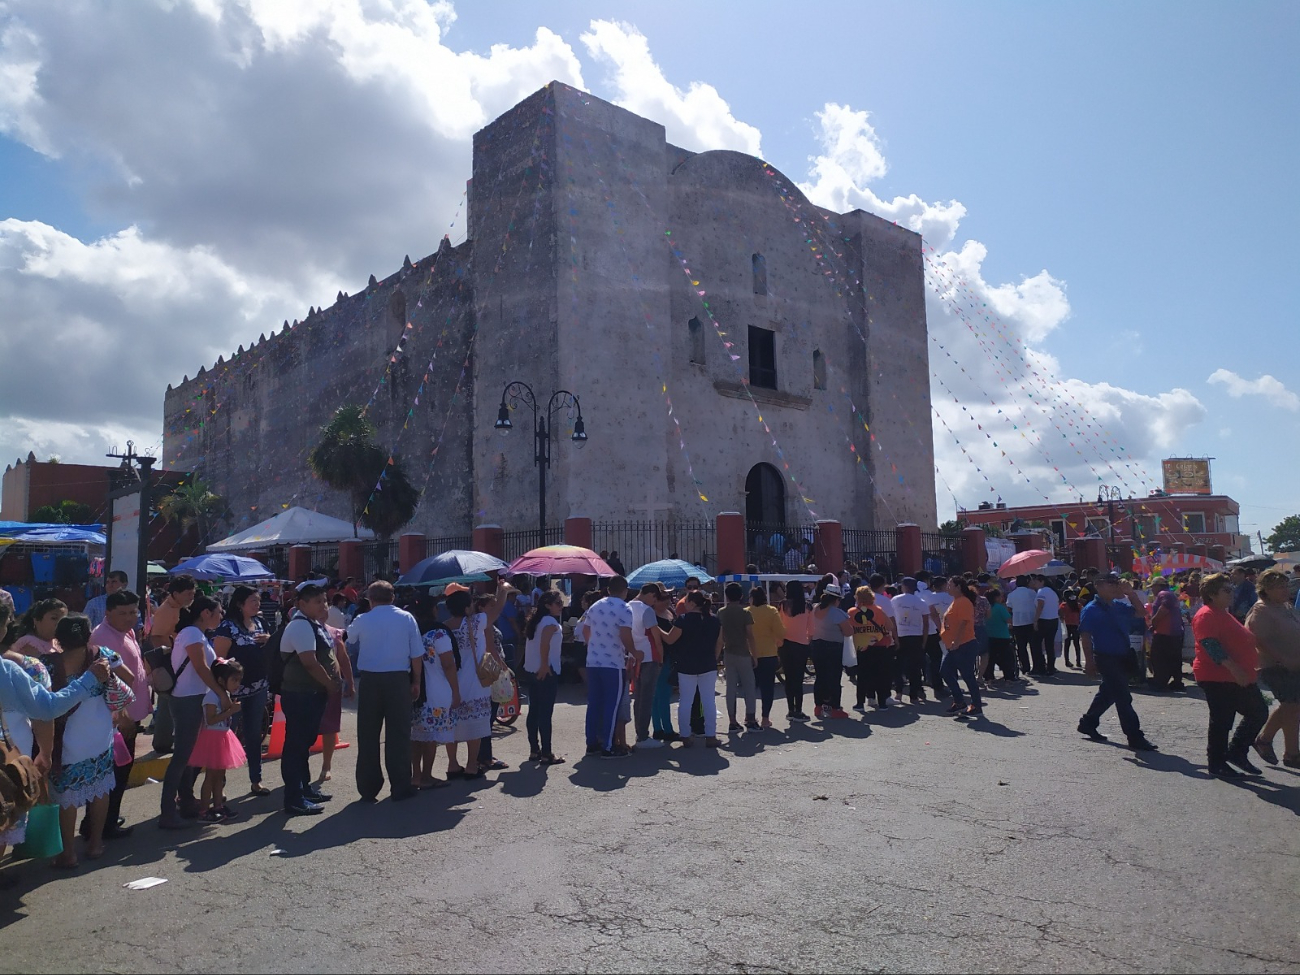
(698, 118)
(260, 155)
(851, 157)
(1267, 386)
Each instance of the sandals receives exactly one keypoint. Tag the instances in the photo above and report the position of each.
(455, 773)
(496, 764)
(210, 816)
(62, 863)
(470, 776)
(534, 756)
(550, 760)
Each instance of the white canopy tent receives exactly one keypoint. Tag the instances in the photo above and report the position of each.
(294, 526)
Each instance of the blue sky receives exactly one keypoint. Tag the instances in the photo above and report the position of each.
(1133, 152)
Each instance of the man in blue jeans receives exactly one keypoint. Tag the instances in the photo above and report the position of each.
(608, 631)
(1105, 624)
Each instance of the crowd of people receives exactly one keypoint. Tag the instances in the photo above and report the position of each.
(427, 678)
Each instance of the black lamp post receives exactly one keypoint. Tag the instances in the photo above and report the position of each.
(518, 392)
(1108, 496)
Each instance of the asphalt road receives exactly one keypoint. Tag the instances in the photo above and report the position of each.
(905, 842)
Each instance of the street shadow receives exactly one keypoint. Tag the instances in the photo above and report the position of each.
(1281, 794)
(608, 774)
(696, 760)
(893, 717)
(986, 725)
(527, 780)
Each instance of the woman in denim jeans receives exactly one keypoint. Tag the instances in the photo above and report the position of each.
(242, 637)
(542, 661)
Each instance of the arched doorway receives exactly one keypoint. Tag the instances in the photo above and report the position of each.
(764, 496)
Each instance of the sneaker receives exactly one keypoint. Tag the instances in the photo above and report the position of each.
(733, 727)
(594, 749)
(973, 712)
(712, 743)
(955, 708)
(1239, 759)
(839, 713)
(317, 796)
(615, 753)
(649, 743)
(211, 816)
(670, 736)
(751, 725)
(798, 716)
(660, 735)
(861, 709)
(1092, 733)
(1141, 745)
(304, 808)
(899, 697)
(1225, 771)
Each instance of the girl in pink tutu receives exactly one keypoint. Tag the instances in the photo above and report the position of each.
(218, 748)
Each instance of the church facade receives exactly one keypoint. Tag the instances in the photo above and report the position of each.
(732, 347)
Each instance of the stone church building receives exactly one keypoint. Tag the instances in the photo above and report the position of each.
(603, 260)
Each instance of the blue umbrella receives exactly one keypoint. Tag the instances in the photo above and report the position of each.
(450, 566)
(219, 566)
(673, 573)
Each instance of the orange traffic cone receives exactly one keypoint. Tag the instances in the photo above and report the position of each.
(275, 747)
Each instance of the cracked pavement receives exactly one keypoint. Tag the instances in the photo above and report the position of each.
(1007, 845)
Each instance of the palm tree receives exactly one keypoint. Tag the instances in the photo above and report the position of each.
(348, 459)
(193, 505)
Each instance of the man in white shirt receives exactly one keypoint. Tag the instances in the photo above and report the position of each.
(931, 590)
(1047, 618)
(310, 674)
(608, 627)
(1022, 601)
(390, 659)
(646, 638)
(912, 623)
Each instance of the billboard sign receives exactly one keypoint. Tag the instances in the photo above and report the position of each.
(124, 544)
(1186, 475)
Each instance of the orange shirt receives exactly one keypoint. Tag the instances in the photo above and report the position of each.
(958, 623)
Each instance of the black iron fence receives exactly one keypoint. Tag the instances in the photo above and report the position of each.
(436, 546)
(515, 544)
(634, 543)
(379, 560)
(779, 548)
(872, 551)
(324, 560)
(941, 554)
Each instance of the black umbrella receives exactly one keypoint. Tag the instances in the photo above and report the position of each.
(1252, 562)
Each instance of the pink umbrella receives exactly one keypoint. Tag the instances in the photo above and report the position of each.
(560, 560)
(1022, 562)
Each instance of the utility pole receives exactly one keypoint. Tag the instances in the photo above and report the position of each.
(136, 474)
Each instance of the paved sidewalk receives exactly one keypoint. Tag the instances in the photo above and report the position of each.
(903, 842)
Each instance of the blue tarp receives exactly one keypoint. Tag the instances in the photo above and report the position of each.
(45, 534)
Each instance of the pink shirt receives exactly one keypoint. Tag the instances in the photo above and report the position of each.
(126, 647)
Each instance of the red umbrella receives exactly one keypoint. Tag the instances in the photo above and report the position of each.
(1022, 562)
(560, 560)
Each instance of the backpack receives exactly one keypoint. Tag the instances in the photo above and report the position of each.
(162, 678)
(273, 661)
(20, 781)
(423, 699)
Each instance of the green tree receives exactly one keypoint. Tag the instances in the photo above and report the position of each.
(1286, 535)
(951, 528)
(64, 513)
(193, 505)
(348, 459)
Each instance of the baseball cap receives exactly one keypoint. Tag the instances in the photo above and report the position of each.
(454, 587)
(1111, 577)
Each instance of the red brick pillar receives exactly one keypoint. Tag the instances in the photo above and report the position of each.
(490, 540)
(1198, 550)
(907, 539)
(828, 546)
(299, 563)
(352, 561)
(730, 528)
(410, 550)
(1090, 553)
(1218, 552)
(1025, 541)
(577, 531)
(974, 552)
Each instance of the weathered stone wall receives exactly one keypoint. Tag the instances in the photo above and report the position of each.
(583, 221)
(249, 422)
